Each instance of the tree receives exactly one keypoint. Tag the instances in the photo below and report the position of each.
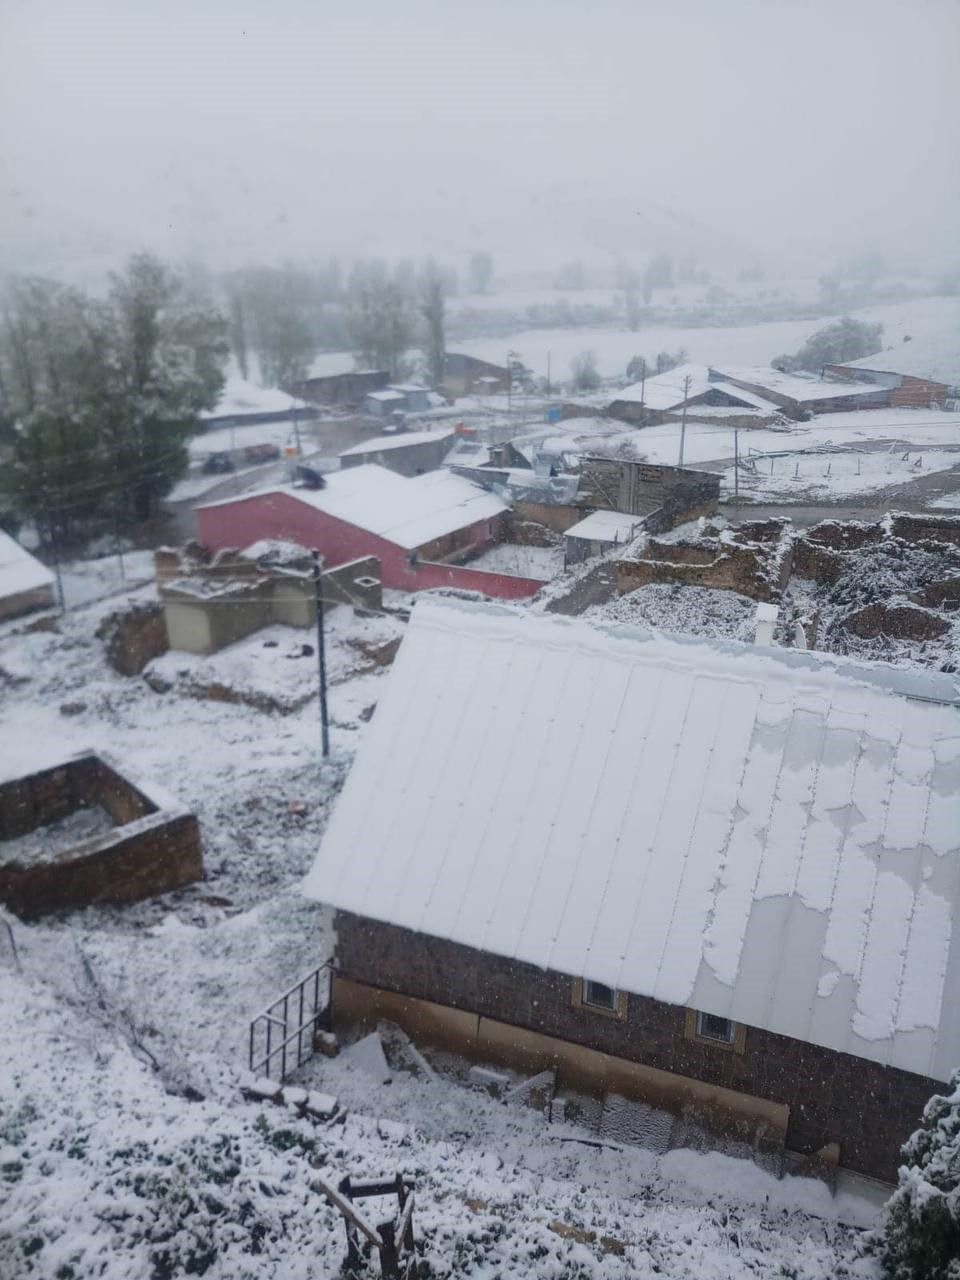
(838, 343)
(631, 300)
(105, 394)
(481, 271)
(586, 376)
(379, 319)
(636, 369)
(658, 275)
(921, 1232)
(667, 360)
(433, 311)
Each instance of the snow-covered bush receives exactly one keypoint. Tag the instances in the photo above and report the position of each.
(922, 1230)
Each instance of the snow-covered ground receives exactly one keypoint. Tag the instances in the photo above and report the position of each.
(541, 563)
(87, 580)
(716, 345)
(125, 1147)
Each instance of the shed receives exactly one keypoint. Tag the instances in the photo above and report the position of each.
(599, 532)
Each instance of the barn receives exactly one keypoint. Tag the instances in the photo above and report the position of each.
(716, 877)
(421, 529)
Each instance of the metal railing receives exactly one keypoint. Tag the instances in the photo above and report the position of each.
(282, 1036)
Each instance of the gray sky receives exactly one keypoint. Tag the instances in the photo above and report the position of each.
(545, 129)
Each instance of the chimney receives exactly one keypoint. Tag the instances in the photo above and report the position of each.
(766, 621)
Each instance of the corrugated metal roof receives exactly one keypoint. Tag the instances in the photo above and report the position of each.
(408, 511)
(766, 836)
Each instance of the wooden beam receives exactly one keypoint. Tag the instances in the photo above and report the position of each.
(350, 1212)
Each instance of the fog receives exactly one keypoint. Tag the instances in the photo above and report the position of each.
(540, 129)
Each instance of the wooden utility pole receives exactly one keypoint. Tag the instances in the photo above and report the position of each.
(321, 657)
(736, 464)
(683, 416)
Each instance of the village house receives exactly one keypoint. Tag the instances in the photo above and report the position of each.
(340, 390)
(400, 397)
(917, 375)
(715, 877)
(25, 583)
(422, 530)
(408, 453)
(244, 404)
(470, 376)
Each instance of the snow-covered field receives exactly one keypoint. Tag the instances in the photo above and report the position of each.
(743, 344)
(126, 1149)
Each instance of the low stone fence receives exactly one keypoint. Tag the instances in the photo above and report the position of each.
(153, 845)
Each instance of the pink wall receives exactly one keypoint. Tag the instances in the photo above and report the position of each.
(277, 515)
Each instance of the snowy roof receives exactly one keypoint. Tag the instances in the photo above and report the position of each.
(386, 396)
(937, 358)
(406, 511)
(664, 390)
(796, 386)
(748, 397)
(240, 397)
(397, 441)
(766, 835)
(606, 526)
(19, 570)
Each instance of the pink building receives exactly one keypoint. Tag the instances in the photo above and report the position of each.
(418, 528)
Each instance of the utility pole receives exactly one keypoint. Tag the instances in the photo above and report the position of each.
(321, 657)
(549, 391)
(683, 416)
(736, 464)
(643, 387)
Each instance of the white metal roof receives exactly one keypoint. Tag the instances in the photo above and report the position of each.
(796, 386)
(19, 570)
(406, 511)
(766, 835)
(397, 441)
(240, 397)
(385, 396)
(664, 390)
(606, 526)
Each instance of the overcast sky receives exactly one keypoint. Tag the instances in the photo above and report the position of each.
(546, 129)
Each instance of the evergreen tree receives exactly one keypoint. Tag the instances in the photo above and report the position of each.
(433, 311)
(921, 1234)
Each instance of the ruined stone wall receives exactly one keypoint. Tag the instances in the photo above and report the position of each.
(748, 570)
(134, 637)
(868, 1109)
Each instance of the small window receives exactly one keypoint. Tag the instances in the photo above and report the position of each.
(721, 1033)
(710, 1027)
(599, 995)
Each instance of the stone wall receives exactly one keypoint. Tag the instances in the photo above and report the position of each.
(211, 602)
(832, 1097)
(134, 637)
(153, 848)
(750, 570)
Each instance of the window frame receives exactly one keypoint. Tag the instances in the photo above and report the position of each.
(618, 1010)
(691, 1031)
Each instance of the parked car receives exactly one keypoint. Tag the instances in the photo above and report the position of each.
(261, 452)
(216, 464)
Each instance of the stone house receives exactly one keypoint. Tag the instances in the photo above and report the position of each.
(720, 879)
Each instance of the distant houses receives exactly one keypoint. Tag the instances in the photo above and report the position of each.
(469, 376)
(243, 403)
(340, 390)
(715, 878)
(739, 396)
(914, 376)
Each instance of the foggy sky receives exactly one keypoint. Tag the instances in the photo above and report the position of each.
(542, 129)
